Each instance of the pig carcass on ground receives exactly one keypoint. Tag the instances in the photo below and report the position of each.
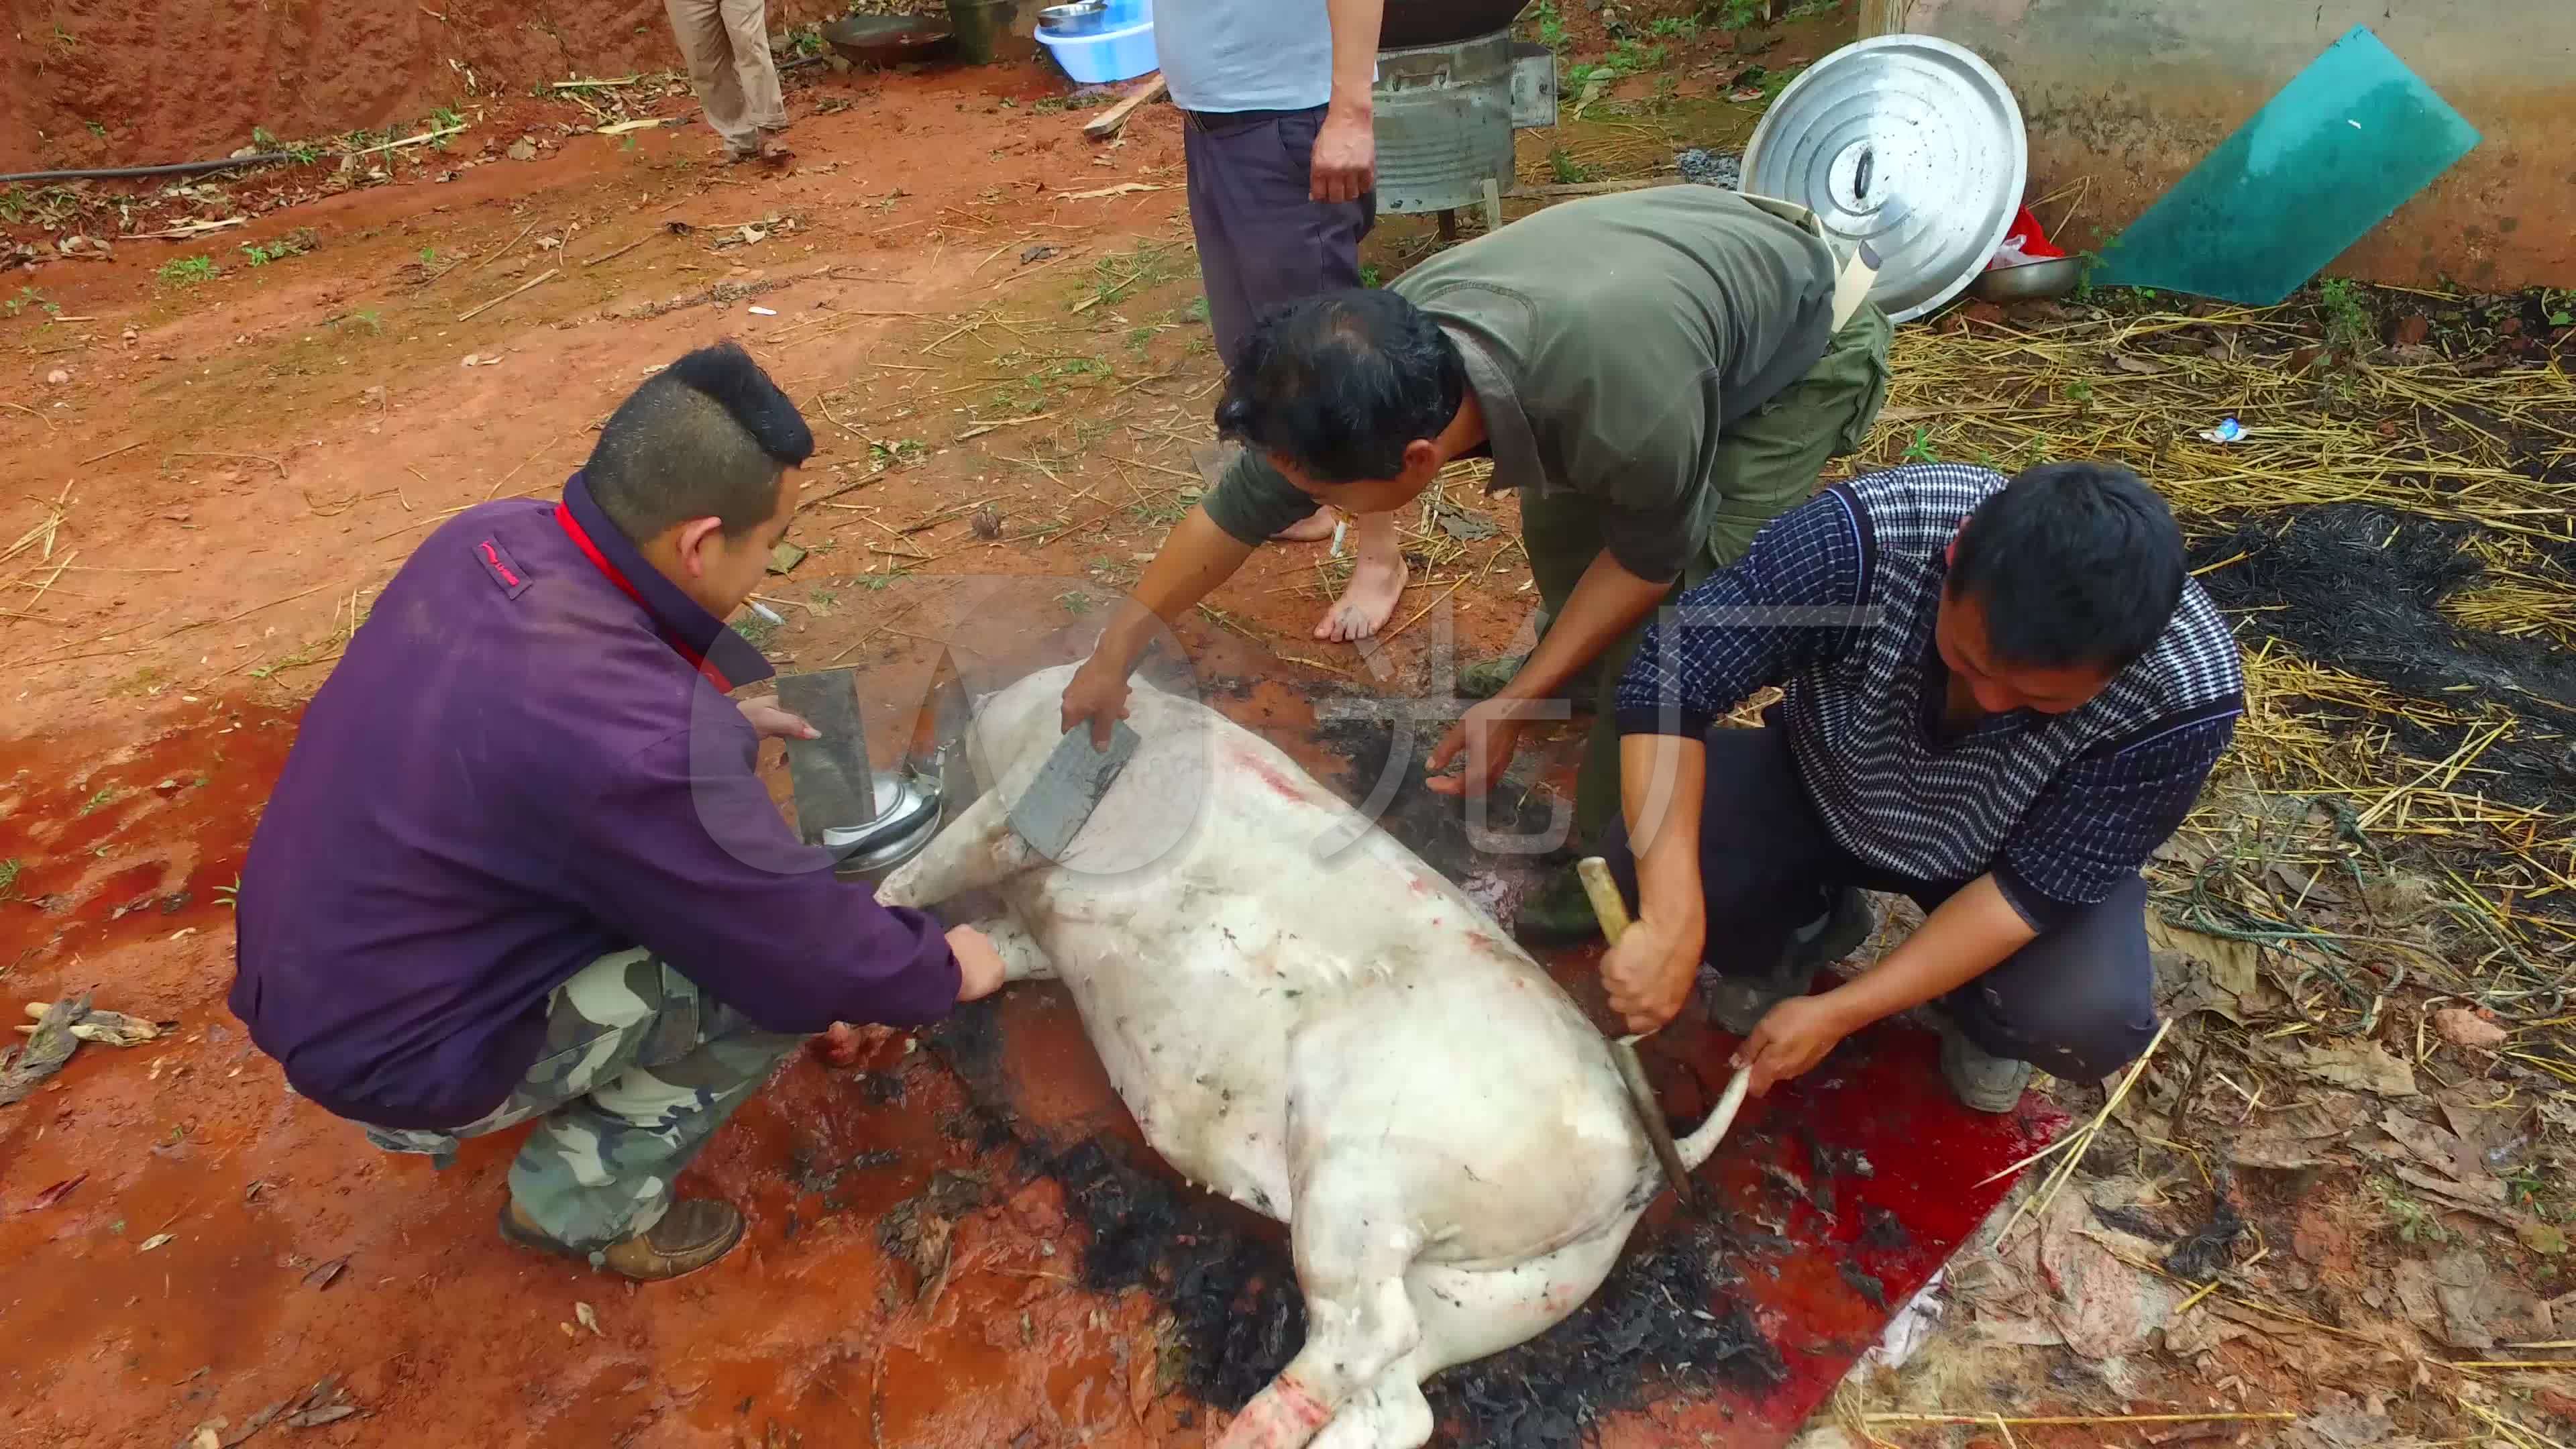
(1304, 1016)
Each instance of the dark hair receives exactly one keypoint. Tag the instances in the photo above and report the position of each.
(1340, 383)
(707, 436)
(2074, 563)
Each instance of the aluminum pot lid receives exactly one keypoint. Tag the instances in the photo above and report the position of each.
(1909, 143)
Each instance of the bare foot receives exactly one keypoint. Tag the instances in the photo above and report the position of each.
(1315, 527)
(1377, 581)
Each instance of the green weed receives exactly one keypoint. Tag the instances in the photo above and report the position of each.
(1075, 602)
(9, 878)
(1550, 25)
(105, 797)
(897, 451)
(29, 297)
(1920, 450)
(755, 630)
(2412, 1220)
(1569, 171)
(2349, 331)
(187, 271)
(1149, 265)
(1675, 27)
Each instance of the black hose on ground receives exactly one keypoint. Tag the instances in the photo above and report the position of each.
(175, 168)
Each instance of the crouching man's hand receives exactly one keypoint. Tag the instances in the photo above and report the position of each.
(980, 972)
(1792, 1037)
(1649, 974)
(770, 722)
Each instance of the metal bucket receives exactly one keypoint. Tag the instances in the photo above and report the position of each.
(980, 26)
(1445, 115)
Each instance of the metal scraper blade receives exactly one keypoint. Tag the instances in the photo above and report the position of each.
(1051, 811)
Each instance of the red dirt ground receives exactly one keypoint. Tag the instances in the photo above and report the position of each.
(260, 453)
(166, 83)
(201, 507)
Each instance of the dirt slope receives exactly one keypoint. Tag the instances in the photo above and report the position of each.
(127, 82)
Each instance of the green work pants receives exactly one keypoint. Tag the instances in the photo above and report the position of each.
(1767, 463)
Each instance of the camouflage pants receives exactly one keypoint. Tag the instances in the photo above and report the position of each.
(639, 1069)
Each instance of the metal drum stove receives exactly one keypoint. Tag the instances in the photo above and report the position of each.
(1445, 117)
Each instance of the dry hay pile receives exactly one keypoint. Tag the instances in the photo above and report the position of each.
(2385, 866)
(2394, 544)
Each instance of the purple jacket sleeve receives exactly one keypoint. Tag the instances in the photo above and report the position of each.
(684, 853)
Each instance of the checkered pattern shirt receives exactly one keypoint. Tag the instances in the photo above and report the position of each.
(1836, 602)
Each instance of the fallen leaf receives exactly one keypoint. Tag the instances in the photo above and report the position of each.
(2442, 1151)
(56, 1193)
(569, 1331)
(2413, 1279)
(2269, 1147)
(784, 557)
(2342, 1428)
(325, 1274)
(2196, 1333)
(316, 1418)
(1038, 252)
(2105, 1308)
(521, 150)
(589, 1319)
(2462, 1027)
(206, 1438)
(2213, 973)
(2127, 363)
(987, 522)
(154, 1241)
(2541, 1238)
(2481, 1305)
(2364, 1066)
(1464, 526)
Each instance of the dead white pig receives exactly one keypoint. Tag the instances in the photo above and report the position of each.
(1307, 1018)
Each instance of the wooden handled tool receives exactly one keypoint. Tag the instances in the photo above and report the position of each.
(1612, 911)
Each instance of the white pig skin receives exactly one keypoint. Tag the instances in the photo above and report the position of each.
(1343, 1042)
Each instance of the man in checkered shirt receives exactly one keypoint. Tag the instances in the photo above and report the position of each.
(1998, 697)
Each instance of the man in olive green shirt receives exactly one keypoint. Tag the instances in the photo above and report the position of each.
(1658, 373)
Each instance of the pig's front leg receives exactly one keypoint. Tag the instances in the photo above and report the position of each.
(1022, 958)
(977, 851)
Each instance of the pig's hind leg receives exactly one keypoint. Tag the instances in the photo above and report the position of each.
(1353, 1242)
(977, 851)
(1388, 1414)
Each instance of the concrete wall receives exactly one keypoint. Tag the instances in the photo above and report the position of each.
(2132, 93)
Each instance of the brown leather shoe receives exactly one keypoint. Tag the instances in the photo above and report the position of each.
(694, 1233)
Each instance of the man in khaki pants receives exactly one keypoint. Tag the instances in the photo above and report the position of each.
(727, 44)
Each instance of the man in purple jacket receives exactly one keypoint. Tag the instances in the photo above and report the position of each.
(519, 865)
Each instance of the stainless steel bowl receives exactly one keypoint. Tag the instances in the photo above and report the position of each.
(1079, 17)
(907, 818)
(2029, 282)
